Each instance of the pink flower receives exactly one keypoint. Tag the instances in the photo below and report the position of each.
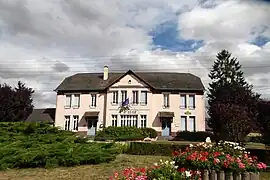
(261, 165)
(216, 161)
(241, 165)
(141, 178)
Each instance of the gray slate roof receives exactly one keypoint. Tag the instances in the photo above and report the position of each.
(42, 115)
(156, 80)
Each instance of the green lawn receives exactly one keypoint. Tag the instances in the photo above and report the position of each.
(87, 172)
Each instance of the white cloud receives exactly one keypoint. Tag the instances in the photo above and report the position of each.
(44, 41)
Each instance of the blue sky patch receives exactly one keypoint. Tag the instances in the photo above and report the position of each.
(166, 36)
(260, 40)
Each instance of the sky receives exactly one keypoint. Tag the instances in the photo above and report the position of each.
(42, 42)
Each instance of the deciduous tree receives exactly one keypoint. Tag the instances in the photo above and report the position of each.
(16, 104)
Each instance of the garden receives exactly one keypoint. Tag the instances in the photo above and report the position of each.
(40, 151)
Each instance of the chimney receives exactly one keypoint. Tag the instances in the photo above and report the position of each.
(105, 73)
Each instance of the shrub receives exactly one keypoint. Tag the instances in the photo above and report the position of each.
(126, 133)
(149, 132)
(198, 136)
(25, 145)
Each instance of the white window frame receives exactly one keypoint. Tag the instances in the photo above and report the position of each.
(123, 95)
(143, 120)
(70, 101)
(75, 106)
(114, 120)
(67, 125)
(194, 101)
(166, 102)
(185, 105)
(93, 100)
(129, 120)
(181, 123)
(193, 128)
(144, 102)
(115, 97)
(135, 97)
(75, 122)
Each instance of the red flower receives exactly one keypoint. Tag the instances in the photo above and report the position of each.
(175, 153)
(216, 154)
(181, 169)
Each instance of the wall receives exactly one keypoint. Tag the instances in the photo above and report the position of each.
(85, 100)
(124, 84)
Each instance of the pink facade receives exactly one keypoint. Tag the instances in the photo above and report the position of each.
(185, 110)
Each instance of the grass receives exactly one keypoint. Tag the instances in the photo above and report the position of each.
(86, 172)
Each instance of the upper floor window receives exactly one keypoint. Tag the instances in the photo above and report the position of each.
(135, 97)
(68, 100)
(115, 97)
(143, 97)
(191, 102)
(93, 100)
(75, 122)
(76, 100)
(123, 96)
(166, 100)
(183, 101)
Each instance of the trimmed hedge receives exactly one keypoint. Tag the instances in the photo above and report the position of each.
(151, 148)
(198, 136)
(126, 133)
(29, 145)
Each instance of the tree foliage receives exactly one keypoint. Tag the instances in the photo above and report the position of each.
(264, 119)
(231, 99)
(16, 104)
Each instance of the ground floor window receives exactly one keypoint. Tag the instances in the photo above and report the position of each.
(183, 123)
(191, 123)
(143, 121)
(75, 122)
(129, 120)
(114, 120)
(67, 123)
(187, 123)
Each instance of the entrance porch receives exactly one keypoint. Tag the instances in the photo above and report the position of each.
(91, 118)
(166, 119)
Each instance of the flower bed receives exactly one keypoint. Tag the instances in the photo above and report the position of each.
(200, 161)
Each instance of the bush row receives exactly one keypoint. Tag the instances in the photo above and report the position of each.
(198, 136)
(125, 133)
(25, 145)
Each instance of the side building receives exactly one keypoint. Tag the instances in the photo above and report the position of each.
(167, 102)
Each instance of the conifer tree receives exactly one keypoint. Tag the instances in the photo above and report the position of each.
(232, 103)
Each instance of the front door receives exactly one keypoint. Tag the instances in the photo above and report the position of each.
(166, 127)
(92, 127)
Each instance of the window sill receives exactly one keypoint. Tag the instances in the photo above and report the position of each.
(114, 104)
(182, 107)
(92, 107)
(166, 107)
(75, 107)
(142, 104)
(67, 107)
